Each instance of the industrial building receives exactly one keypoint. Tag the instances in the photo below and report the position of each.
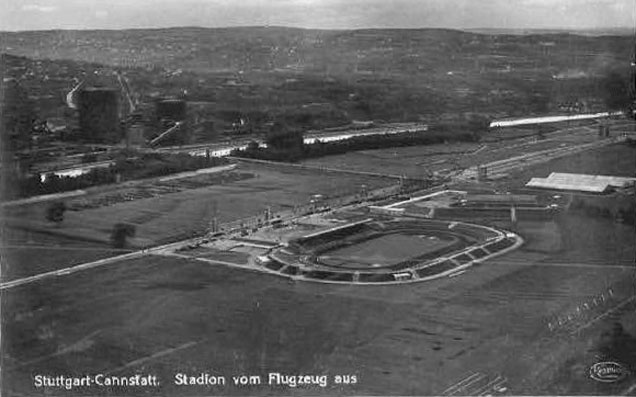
(170, 116)
(581, 182)
(16, 115)
(171, 109)
(99, 114)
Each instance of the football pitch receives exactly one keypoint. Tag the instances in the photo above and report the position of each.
(387, 250)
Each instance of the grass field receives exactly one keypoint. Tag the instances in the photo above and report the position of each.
(160, 217)
(175, 215)
(531, 318)
(163, 315)
(414, 161)
(417, 161)
(618, 160)
(27, 253)
(385, 250)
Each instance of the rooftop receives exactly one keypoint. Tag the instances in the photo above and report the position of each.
(581, 182)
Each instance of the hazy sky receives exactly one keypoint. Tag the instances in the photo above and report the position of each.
(115, 14)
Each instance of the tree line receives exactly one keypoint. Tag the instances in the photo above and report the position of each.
(126, 167)
(287, 145)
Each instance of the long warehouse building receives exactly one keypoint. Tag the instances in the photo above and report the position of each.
(581, 182)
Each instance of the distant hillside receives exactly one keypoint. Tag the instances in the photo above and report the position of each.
(240, 80)
(291, 49)
(625, 31)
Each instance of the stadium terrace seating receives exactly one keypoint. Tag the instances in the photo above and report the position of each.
(474, 232)
(327, 275)
(499, 245)
(330, 235)
(274, 265)
(301, 257)
(291, 270)
(478, 253)
(463, 259)
(376, 277)
(435, 269)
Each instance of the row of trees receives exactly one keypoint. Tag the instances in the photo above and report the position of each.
(288, 146)
(146, 165)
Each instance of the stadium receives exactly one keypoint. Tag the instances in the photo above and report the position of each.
(385, 249)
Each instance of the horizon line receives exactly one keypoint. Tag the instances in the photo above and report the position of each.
(465, 29)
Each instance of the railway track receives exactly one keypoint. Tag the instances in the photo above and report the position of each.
(503, 167)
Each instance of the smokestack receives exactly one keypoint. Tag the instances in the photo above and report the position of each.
(632, 83)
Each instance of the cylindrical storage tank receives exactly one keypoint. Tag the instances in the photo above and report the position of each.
(171, 109)
(99, 114)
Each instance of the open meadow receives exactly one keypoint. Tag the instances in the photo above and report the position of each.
(532, 321)
(172, 216)
(164, 316)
